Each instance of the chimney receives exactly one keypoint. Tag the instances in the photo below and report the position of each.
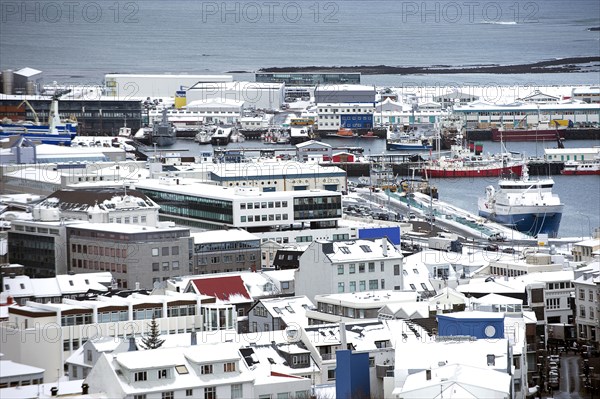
(343, 341)
(132, 345)
(428, 374)
(193, 338)
(84, 388)
(384, 243)
(54, 391)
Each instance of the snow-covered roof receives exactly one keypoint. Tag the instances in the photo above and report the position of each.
(495, 299)
(456, 381)
(231, 235)
(8, 369)
(344, 87)
(292, 310)
(360, 250)
(29, 72)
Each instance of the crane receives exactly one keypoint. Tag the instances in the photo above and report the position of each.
(35, 116)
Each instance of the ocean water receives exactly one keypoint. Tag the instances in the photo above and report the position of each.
(81, 41)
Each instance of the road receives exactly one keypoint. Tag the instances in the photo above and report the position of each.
(570, 382)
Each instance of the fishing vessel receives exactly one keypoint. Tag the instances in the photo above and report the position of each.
(526, 205)
(582, 167)
(203, 137)
(163, 133)
(469, 162)
(409, 144)
(54, 132)
(344, 133)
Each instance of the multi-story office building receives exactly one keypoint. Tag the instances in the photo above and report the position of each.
(203, 205)
(587, 303)
(135, 255)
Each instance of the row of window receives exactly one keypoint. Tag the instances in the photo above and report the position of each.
(582, 312)
(128, 220)
(362, 284)
(166, 266)
(99, 251)
(99, 265)
(361, 267)
(590, 295)
(214, 260)
(263, 205)
(353, 110)
(264, 218)
(164, 251)
(32, 229)
(502, 271)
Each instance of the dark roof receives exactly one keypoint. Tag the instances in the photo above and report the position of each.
(222, 287)
(82, 199)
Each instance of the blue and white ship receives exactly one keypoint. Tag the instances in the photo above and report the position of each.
(528, 206)
(55, 132)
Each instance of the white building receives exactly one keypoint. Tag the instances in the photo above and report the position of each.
(198, 113)
(371, 305)
(333, 116)
(66, 326)
(587, 300)
(313, 150)
(279, 314)
(14, 374)
(571, 154)
(350, 266)
(267, 96)
(146, 85)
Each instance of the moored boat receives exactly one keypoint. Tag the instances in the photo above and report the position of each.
(582, 167)
(526, 205)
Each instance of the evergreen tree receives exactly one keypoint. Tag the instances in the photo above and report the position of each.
(152, 340)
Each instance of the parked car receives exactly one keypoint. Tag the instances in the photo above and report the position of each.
(491, 247)
(554, 358)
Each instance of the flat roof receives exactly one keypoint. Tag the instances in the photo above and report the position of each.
(127, 228)
(219, 236)
(193, 187)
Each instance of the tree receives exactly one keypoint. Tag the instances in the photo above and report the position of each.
(152, 340)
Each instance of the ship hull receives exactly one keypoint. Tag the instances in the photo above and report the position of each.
(472, 172)
(533, 223)
(527, 135)
(407, 147)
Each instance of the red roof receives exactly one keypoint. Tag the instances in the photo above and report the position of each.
(222, 287)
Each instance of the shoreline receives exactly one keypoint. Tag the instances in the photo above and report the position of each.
(565, 65)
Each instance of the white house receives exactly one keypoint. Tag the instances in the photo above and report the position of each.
(350, 266)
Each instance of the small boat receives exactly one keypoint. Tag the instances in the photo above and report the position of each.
(409, 144)
(345, 133)
(368, 135)
(203, 137)
(582, 167)
(526, 205)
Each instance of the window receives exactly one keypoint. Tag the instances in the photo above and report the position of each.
(404, 273)
(371, 267)
(424, 286)
(365, 248)
(340, 269)
(373, 284)
(165, 251)
(154, 251)
(142, 396)
(182, 369)
(361, 267)
(155, 267)
(207, 369)
(352, 268)
(210, 393)
(382, 266)
(331, 374)
(340, 287)
(165, 266)
(415, 271)
(362, 285)
(140, 376)
(174, 251)
(189, 392)
(412, 287)
(345, 250)
(352, 286)
(168, 395)
(396, 270)
(229, 367)
(236, 391)
(162, 374)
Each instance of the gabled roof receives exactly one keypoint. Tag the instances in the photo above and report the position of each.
(224, 288)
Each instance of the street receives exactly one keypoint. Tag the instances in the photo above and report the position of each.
(570, 381)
